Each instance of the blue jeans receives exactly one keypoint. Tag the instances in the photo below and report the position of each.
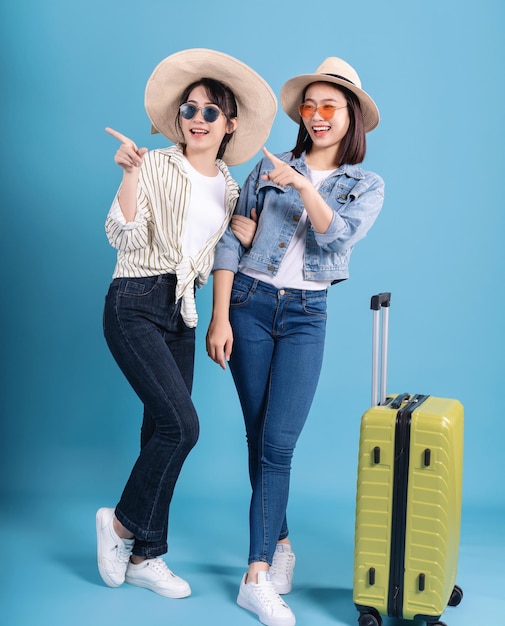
(155, 351)
(276, 361)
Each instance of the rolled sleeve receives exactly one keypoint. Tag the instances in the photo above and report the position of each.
(229, 249)
(352, 221)
(228, 252)
(124, 235)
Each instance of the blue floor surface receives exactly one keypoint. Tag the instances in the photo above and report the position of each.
(50, 578)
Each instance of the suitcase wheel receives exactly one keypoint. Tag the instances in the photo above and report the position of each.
(370, 619)
(456, 596)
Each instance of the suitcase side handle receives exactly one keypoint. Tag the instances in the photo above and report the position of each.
(380, 303)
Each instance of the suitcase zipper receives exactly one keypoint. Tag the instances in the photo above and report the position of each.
(399, 507)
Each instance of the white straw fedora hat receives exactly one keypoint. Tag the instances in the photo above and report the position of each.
(332, 70)
(256, 102)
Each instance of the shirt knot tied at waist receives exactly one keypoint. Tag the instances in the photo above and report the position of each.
(187, 272)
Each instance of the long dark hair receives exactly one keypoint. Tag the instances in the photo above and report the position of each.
(220, 95)
(352, 148)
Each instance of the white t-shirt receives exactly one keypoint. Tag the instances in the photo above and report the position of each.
(290, 274)
(206, 210)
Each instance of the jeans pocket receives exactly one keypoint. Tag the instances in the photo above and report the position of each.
(241, 292)
(315, 305)
(132, 287)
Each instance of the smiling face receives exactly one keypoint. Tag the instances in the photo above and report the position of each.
(326, 134)
(201, 137)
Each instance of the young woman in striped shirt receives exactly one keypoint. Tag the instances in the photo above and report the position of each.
(172, 207)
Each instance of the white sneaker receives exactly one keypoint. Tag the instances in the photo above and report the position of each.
(113, 553)
(154, 574)
(283, 565)
(262, 598)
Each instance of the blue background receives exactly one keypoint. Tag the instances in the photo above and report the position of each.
(69, 428)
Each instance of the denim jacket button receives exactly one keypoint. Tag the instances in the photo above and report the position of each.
(271, 268)
(282, 245)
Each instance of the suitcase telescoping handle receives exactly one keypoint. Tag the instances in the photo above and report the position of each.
(380, 304)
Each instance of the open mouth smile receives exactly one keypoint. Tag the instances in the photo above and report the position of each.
(320, 129)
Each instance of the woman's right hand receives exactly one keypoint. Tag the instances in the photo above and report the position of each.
(128, 156)
(219, 341)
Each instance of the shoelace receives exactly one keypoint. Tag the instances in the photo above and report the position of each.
(160, 567)
(123, 552)
(281, 563)
(268, 594)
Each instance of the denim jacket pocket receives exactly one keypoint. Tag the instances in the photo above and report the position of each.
(263, 185)
(343, 193)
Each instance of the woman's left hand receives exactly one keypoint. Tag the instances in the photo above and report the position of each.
(244, 228)
(283, 174)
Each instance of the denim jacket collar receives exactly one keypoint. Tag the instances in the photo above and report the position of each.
(300, 165)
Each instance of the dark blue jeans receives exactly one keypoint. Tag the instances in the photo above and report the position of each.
(277, 354)
(155, 351)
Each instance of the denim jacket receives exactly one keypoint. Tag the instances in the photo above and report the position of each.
(355, 195)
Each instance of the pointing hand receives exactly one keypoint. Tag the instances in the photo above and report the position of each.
(128, 155)
(283, 174)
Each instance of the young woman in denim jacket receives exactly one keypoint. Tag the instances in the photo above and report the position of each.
(313, 204)
(172, 207)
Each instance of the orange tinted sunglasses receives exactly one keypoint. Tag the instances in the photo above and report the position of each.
(326, 111)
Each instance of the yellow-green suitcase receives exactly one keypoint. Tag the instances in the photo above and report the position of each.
(408, 503)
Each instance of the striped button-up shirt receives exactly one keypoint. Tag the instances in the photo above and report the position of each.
(152, 243)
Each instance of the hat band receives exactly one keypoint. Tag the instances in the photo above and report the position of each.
(341, 77)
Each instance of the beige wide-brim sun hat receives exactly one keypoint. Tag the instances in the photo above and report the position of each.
(338, 72)
(256, 102)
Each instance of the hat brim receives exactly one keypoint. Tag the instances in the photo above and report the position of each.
(256, 102)
(292, 90)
